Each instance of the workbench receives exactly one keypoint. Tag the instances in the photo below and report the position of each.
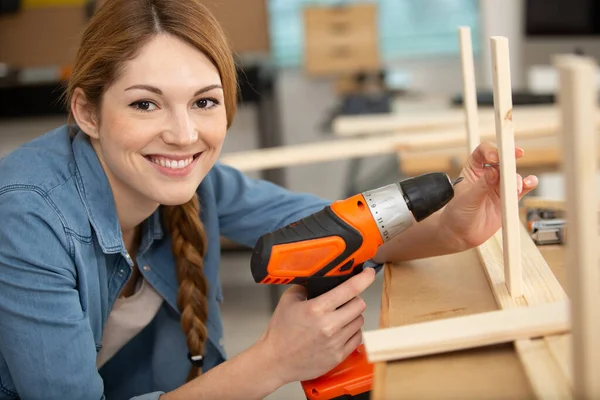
(444, 287)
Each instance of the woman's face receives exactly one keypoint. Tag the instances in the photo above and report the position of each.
(162, 123)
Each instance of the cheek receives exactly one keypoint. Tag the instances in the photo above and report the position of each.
(125, 134)
(213, 130)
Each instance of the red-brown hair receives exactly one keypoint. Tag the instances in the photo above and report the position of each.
(114, 35)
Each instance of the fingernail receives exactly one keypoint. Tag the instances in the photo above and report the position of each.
(493, 158)
(530, 181)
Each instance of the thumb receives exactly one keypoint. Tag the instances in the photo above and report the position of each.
(294, 294)
(488, 181)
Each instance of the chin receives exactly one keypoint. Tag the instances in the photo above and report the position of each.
(175, 199)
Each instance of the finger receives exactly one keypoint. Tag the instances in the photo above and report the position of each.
(482, 186)
(352, 344)
(529, 184)
(519, 184)
(346, 291)
(348, 312)
(519, 152)
(485, 153)
(348, 331)
(295, 294)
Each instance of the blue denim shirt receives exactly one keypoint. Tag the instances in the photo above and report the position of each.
(63, 263)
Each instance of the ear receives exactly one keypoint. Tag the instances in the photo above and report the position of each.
(84, 113)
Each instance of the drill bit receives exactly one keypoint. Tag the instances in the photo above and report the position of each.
(457, 180)
(489, 165)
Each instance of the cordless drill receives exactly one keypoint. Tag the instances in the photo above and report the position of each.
(327, 248)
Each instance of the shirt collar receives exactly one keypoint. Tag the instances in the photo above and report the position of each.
(98, 199)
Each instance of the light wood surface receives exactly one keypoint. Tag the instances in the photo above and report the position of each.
(540, 286)
(578, 102)
(343, 149)
(407, 118)
(466, 332)
(469, 88)
(505, 138)
(442, 287)
(340, 39)
(541, 155)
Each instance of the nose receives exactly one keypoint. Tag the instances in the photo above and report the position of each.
(181, 131)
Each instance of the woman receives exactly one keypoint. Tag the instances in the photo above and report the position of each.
(108, 264)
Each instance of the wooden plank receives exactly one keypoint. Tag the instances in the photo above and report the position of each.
(469, 88)
(343, 149)
(541, 154)
(441, 287)
(560, 349)
(545, 376)
(577, 94)
(540, 286)
(380, 368)
(465, 332)
(408, 119)
(502, 89)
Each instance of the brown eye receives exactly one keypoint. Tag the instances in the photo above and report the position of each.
(206, 103)
(143, 105)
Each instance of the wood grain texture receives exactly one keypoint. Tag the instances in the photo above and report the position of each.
(577, 97)
(505, 138)
(444, 287)
(380, 368)
(469, 87)
(465, 332)
(545, 376)
(540, 286)
(561, 350)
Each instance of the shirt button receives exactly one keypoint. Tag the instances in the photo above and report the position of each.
(146, 268)
(121, 272)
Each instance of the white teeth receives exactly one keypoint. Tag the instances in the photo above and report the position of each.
(173, 164)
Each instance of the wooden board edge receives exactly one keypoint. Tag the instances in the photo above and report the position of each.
(544, 374)
(466, 332)
(546, 359)
(379, 377)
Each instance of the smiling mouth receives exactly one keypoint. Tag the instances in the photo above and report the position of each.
(171, 163)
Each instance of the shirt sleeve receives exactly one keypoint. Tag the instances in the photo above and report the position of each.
(45, 337)
(249, 208)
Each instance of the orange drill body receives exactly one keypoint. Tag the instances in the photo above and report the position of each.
(325, 249)
(326, 253)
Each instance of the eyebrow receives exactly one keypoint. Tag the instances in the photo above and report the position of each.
(159, 92)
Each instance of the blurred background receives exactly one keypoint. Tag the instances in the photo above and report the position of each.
(306, 69)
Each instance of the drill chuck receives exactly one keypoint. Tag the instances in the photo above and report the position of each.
(426, 194)
(397, 206)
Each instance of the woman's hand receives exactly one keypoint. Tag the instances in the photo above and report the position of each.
(474, 214)
(307, 338)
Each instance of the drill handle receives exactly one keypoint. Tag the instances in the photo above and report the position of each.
(316, 286)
